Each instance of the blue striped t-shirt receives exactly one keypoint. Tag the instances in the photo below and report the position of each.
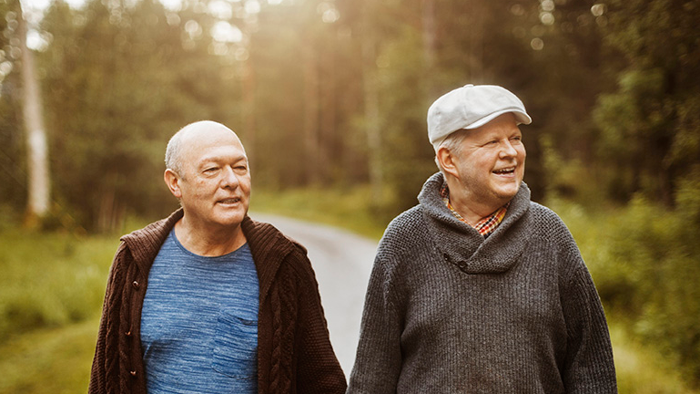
(199, 322)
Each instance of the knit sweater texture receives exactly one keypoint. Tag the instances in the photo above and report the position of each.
(294, 350)
(448, 311)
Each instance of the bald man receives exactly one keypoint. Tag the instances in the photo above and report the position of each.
(209, 300)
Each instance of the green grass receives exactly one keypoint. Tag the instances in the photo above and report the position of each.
(50, 280)
(641, 370)
(49, 360)
(52, 287)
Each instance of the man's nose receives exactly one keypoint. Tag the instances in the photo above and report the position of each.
(507, 149)
(229, 177)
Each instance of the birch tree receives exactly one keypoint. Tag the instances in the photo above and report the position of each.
(37, 146)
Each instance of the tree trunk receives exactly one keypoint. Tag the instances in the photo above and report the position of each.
(476, 42)
(429, 39)
(248, 110)
(37, 146)
(373, 127)
(328, 116)
(311, 113)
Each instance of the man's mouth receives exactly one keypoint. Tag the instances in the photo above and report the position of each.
(232, 200)
(505, 171)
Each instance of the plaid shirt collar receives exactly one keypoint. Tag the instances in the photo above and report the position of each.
(486, 225)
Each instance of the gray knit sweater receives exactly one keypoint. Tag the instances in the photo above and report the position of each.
(448, 311)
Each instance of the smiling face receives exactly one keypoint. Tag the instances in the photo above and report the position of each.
(487, 167)
(214, 180)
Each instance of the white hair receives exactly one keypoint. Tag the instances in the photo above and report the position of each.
(173, 155)
(452, 143)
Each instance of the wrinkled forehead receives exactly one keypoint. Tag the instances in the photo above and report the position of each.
(207, 141)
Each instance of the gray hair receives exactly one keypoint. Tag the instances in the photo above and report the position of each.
(451, 143)
(173, 155)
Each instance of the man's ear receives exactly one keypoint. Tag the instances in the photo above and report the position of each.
(446, 159)
(172, 180)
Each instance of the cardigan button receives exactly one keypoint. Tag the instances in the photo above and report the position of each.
(133, 373)
(128, 333)
(135, 284)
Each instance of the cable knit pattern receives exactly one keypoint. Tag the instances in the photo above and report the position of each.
(448, 311)
(294, 349)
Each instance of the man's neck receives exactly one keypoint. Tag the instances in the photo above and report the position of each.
(208, 241)
(472, 213)
(469, 208)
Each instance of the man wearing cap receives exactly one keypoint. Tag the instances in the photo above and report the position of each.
(477, 289)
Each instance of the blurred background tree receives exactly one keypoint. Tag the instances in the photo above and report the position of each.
(341, 88)
(649, 123)
(331, 95)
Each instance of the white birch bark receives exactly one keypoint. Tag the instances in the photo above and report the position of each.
(37, 146)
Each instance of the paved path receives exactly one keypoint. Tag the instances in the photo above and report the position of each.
(342, 262)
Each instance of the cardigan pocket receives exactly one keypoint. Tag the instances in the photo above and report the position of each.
(235, 352)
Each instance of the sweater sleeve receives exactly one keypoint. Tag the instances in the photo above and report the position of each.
(589, 364)
(318, 369)
(378, 361)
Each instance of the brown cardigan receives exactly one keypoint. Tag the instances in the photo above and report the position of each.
(294, 349)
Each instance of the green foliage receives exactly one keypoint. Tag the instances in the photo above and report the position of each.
(644, 260)
(650, 124)
(612, 89)
(13, 193)
(120, 80)
(50, 280)
(404, 135)
(567, 178)
(640, 370)
(33, 358)
(120, 77)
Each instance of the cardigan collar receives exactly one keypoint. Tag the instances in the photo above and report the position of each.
(462, 245)
(144, 244)
(268, 246)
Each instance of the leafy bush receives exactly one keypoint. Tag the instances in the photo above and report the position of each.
(645, 260)
(50, 280)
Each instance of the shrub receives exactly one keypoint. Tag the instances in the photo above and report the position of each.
(645, 260)
(50, 280)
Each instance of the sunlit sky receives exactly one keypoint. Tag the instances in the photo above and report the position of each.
(41, 4)
(222, 31)
(169, 4)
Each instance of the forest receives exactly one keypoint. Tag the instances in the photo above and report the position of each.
(332, 95)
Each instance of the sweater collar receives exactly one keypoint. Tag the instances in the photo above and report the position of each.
(269, 248)
(460, 244)
(144, 244)
(268, 245)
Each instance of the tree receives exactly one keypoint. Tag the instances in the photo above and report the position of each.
(121, 79)
(13, 194)
(37, 145)
(651, 123)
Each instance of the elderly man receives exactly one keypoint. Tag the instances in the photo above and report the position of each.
(208, 300)
(477, 289)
